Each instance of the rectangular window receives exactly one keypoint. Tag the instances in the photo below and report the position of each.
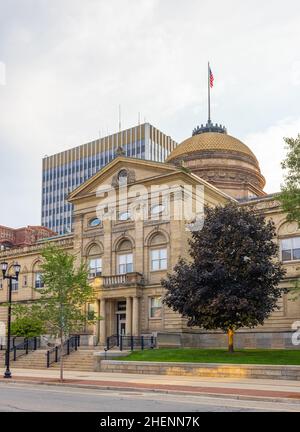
(38, 282)
(90, 312)
(1, 284)
(125, 263)
(24, 281)
(121, 305)
(159, 259)
(14, 285)
(95, 267)
(290, 249)
(155, 307)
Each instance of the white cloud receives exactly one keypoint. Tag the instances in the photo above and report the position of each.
(269, 147)
(69, 64)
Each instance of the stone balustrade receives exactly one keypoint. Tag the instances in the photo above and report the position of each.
(133, 278)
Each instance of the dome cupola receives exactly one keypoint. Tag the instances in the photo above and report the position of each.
(222, 160)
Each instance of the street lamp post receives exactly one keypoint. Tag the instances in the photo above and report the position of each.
(17, 269)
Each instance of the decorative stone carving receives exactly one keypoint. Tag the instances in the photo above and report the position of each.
(288, 228)
(130, 177)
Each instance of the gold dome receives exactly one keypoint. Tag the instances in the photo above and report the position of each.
(210, 141)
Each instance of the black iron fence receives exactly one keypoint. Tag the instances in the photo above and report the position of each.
(70, 345)
(131, 342)
(14, 340)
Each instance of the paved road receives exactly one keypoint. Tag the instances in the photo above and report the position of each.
(27, 397)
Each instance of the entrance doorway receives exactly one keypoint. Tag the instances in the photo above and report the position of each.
(122, 324)
(121, 319)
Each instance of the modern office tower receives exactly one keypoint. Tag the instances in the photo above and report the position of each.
(65, 171)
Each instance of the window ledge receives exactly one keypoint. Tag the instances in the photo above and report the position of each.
(159, 271)
(296, 261)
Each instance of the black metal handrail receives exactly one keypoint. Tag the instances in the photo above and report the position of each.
(23, 348)
(112, 341)
(70, 345)
(12, 343)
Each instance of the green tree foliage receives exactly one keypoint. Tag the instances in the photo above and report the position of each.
(62, 303)
(27, 327)
(232, 278)
(290, 190)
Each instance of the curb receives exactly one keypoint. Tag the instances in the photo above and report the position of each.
(161, 391)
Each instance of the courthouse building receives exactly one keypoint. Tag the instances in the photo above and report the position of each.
(130, 244)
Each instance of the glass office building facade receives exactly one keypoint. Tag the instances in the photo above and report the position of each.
(65, 171)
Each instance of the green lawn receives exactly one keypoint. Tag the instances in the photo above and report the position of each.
(251, 356)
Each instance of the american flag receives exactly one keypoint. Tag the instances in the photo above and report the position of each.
(211, 78)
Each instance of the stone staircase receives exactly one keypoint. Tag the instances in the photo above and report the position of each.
(80, 360)
(33, 360)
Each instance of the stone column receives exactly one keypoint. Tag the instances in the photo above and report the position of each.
(128, 316)
(102, 323)
(107, 257)
(135, 316)
(139, 247)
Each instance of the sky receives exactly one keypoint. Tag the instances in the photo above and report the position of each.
(66, 65)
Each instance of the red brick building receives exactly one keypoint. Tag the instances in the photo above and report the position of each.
(11, 237)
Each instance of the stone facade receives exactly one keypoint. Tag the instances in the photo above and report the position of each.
(215, 370)
(128, 293)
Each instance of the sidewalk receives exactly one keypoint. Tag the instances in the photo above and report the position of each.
(230, 387)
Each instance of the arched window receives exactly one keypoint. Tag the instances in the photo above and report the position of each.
(38, 281)
(125, 257)
(37, 277)
(14, 283)
(158, 253)
(95, 261)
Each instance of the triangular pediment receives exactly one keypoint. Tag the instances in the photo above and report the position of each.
(137, 170)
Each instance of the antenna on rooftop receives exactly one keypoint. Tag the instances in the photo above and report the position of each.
(139, 118)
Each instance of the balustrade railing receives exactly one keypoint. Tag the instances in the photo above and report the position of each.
(127, 279)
